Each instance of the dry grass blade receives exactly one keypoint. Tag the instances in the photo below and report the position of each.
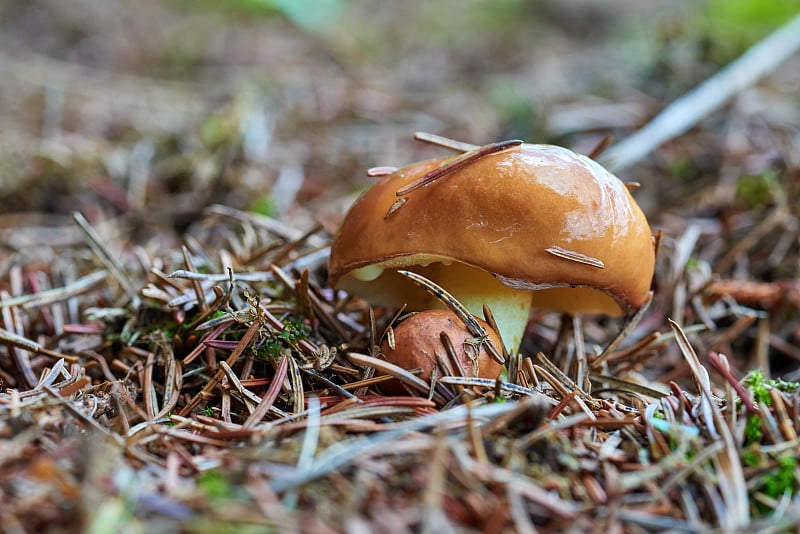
(729, 466)
(254, 276)
(15, 340)
(198, 288)
(295, 385)
(522, 485)
(237, 385)
(526, 441)
(271, 224)
(628, 386)
(173, 382)
(52, 375)
(434, 519)
(507, 387)
(395, 371)
(382, 170)
(50, 296)
(214, 381)
(511, 363)
(600, 147)
(311, 439)
(681, 474)
(448, 300)
(308, 449)
(111, 262)
(623, 334)
(272, 393)
(372, 412)
(341, 454)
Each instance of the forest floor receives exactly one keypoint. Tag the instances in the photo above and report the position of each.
(172, 358)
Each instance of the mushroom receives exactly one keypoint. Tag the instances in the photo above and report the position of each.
(509, 225)
(417, 343)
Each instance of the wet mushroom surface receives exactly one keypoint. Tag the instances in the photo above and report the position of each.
(509, 225)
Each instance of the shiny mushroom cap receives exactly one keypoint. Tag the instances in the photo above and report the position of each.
(536, 218)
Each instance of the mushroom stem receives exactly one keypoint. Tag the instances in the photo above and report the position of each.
(473, 288)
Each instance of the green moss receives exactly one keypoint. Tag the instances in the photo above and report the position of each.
(170, 423)
(293, 332)
(214, 485)
(756, 191)
(270, 349)
(752, 431)
(784, 385)
(776, 479)
(782, 479)
(749, 458)
(760, 386)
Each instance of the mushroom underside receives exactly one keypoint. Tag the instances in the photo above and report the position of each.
(510, 300)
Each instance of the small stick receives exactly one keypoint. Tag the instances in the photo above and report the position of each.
(201, 297)
(600, 147)
(452, 354)
(15, 340)
(396, 371)
(706, 98)
(456, 164)
(457, 308)
(444, 142)
(577, 257)
(384, 170)
(448, 300)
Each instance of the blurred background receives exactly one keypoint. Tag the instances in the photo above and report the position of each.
(147, 112)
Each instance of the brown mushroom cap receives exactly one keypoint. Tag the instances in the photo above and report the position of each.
(534, 217)
(417, 342)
